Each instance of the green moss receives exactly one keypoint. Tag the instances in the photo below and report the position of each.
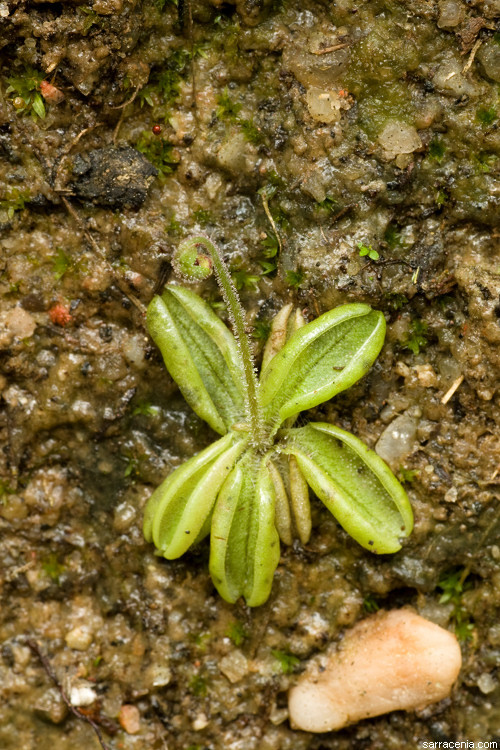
(158, 151)
(380, 103)
(251, 132)
(286, 662)
(486, 116)
(417, 339)
(162, 89)
(61, 263)
(52, 567)
(227, 109)
(437, 150)
(370, 604)
(396, 301)
(237, 632)
(244, 279)
(92, 19)
(406, 476)
(453, 584)
(14, 201)
(295, 278)
(198, 686)
(25, 92)
(203, 216)
(392, 236)
(329, 205)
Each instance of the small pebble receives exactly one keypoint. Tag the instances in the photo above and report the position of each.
(79, 638)
(200, 722)
(391, 661)
(129, 718)
(82, 693)
(234, 666)
(486, 683)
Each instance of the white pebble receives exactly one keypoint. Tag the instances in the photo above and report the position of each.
(391, 661)
(398, 439)
(82, 694)
(399, 138)
(323, 106)
(79, 638)
(234, 666)
(486, 683)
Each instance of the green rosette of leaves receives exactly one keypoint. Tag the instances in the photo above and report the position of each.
(250, 488)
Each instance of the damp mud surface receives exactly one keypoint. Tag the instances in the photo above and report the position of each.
(369, 132)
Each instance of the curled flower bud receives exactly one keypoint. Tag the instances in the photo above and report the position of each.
(190, 263)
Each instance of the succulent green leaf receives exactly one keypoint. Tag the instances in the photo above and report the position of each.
(177, 511)
(200, 354)
(356, 486)
(244, 545)
(321, 359)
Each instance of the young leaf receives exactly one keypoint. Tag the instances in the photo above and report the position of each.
(299, 497)
(355, 484)
(321, 359)
(200, 354)
(283, 519)
(245, 549)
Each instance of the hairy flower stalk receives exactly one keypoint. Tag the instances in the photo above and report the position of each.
(238, 319)
(250, 488)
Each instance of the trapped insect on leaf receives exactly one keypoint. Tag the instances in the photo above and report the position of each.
(249, 489)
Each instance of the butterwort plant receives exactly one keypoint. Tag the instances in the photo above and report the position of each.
(250, 488)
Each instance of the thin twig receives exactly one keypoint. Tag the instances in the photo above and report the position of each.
(451, 390)
(101, 255)
(132, 98)
(122, 114)
(329, 49)
(271, 220)
(472, 55)
(35, 648)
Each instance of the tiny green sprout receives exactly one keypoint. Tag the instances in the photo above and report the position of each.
(370, 604)
(15, 201)
(61, 263)
(244, 279)
(159, 152)
(295, 278)
(227, 109)
(453, 585)
(237, 632)
(486, 116)
(417, 339)
(198, 686)
(407, 476)
(145, 409)
(330, 205)
(367, 250)
(286, 661)
(437, 150)
(52, 567)
(25, 91)
(261, 330)
(250, 488)
(251, 132)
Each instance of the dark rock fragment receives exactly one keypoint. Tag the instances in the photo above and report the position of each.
(114, 176)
